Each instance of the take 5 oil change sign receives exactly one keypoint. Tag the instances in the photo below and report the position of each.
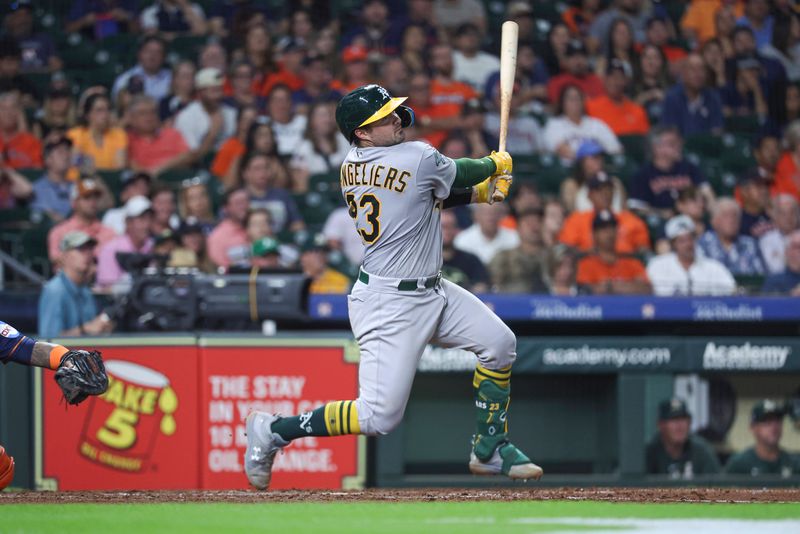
(141, 434)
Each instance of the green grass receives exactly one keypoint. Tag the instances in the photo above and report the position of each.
(367, 517)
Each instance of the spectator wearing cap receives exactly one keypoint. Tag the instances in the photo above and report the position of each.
(765, 457)
(743, 95)
(86, 197)
(356, 69)
(260, 175)
(620, 113)
(317, 78)
(57, 114)
(289, 71)
(674, 450)
(485, 238)
(657, 184)
(575, 72)
(38, 51)
(589, 162)
(683, 271)
(153, 147)
(18, 148)
(753, 190)
(181, 92)
(191, 250)
(265, 254)
(134, 184)
(458, 266)
(66, 304)
(229, 236)
(150, 68)
(323, 147)
(450, 14)
(604, 272)
(314, 263)
(633, 11)
(692, 106)
(757, 17)
(11, 78)
(206, 122)
(571, 126)
(788, 281)
(724, 243)
(53, 190)
(136, 239)
(785, 213)
(787, 173)
(372, 30)
(171, 18)
(520, 270)
(99, 19)
(472, 65)
(657, 33)
(97, 143)
(632, 236)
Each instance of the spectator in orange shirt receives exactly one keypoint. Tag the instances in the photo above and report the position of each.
(19, 149)
(698, 22)
(576, 72)
(620, 113)
(289, 72)
(234, 148)
(787, 174)
(151, 146)
(447, 94)
(605, 272)
(631, 233)
(431, 123)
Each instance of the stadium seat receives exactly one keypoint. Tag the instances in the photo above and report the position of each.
(113, 179)
(77, 53)
(747, 125)
(187, 46)
(749, 284)
(123, 46)
(623, 167)
(704, 144)
(635, 147)
(737, 155)
(314, 207)
(14, 216)
(550, 174)
(176, 176)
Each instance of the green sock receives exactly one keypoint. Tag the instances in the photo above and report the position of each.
(492, 390)
(333, 419)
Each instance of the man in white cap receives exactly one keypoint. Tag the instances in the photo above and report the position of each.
(683, 271)
(138, 216)
(206, 122)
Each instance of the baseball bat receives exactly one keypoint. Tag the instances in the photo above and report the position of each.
(508, 68)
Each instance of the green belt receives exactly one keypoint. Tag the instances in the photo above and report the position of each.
(404, 285)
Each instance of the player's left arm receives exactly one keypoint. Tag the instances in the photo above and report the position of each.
(476, 179)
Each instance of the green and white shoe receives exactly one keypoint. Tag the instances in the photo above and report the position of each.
(507, 460)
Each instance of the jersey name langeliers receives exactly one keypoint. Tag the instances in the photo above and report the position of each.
(394, 196)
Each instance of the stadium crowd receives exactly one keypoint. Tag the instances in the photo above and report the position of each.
(656, 144)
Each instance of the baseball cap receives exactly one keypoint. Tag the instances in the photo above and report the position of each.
(599, 180)
(264, 246)
(314, 242)
(129, 178)
(136, 206)
(619, 65)
(765, 409)
(55, 142)
(604, 219)
(575, 47)
(208, 77)
(165, 235)
(679, 225)
(85, 187)
(589, 147)
(354, 53)
(672, 409)
(190, 225)
(76, 239)
(755, 175)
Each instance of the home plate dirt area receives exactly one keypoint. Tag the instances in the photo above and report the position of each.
(630, 495)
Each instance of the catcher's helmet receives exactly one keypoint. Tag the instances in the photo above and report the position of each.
(368, 104)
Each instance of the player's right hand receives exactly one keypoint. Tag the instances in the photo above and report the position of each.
(502, 160)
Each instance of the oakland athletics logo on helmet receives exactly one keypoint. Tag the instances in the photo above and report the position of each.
(368, 104)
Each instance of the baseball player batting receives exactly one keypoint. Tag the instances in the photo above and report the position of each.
(395, 192)
(79, 373)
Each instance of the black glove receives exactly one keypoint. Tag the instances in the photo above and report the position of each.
(80, 374)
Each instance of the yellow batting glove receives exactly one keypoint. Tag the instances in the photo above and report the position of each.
(502, 160)
(501, 186)
(483, 191)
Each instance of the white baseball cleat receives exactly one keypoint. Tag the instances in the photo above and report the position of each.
(262, 446)
(507, 460)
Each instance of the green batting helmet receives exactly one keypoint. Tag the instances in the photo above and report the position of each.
(367, 104)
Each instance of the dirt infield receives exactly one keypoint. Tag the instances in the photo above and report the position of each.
(645, 495)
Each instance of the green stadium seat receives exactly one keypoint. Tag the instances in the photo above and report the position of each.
(33, 249)
(31, 174)
(704, 144)
(737, 155)
(635, 147)
(550, 174)
(750, 284)
(124, 47)
(14, 216)
(747, 125)
(113, 179)
(176, 176)
(76, 52)
(187, 46)
(623, 167)
(314, 207)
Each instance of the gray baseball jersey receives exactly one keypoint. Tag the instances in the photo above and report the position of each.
(393, 194)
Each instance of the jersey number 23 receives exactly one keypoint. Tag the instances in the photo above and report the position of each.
(372, 229)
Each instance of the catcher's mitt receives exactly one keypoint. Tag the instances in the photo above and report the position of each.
(6, 469)
(80, 374)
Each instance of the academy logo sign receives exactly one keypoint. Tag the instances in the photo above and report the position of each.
(745, 357)
(607, 356)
